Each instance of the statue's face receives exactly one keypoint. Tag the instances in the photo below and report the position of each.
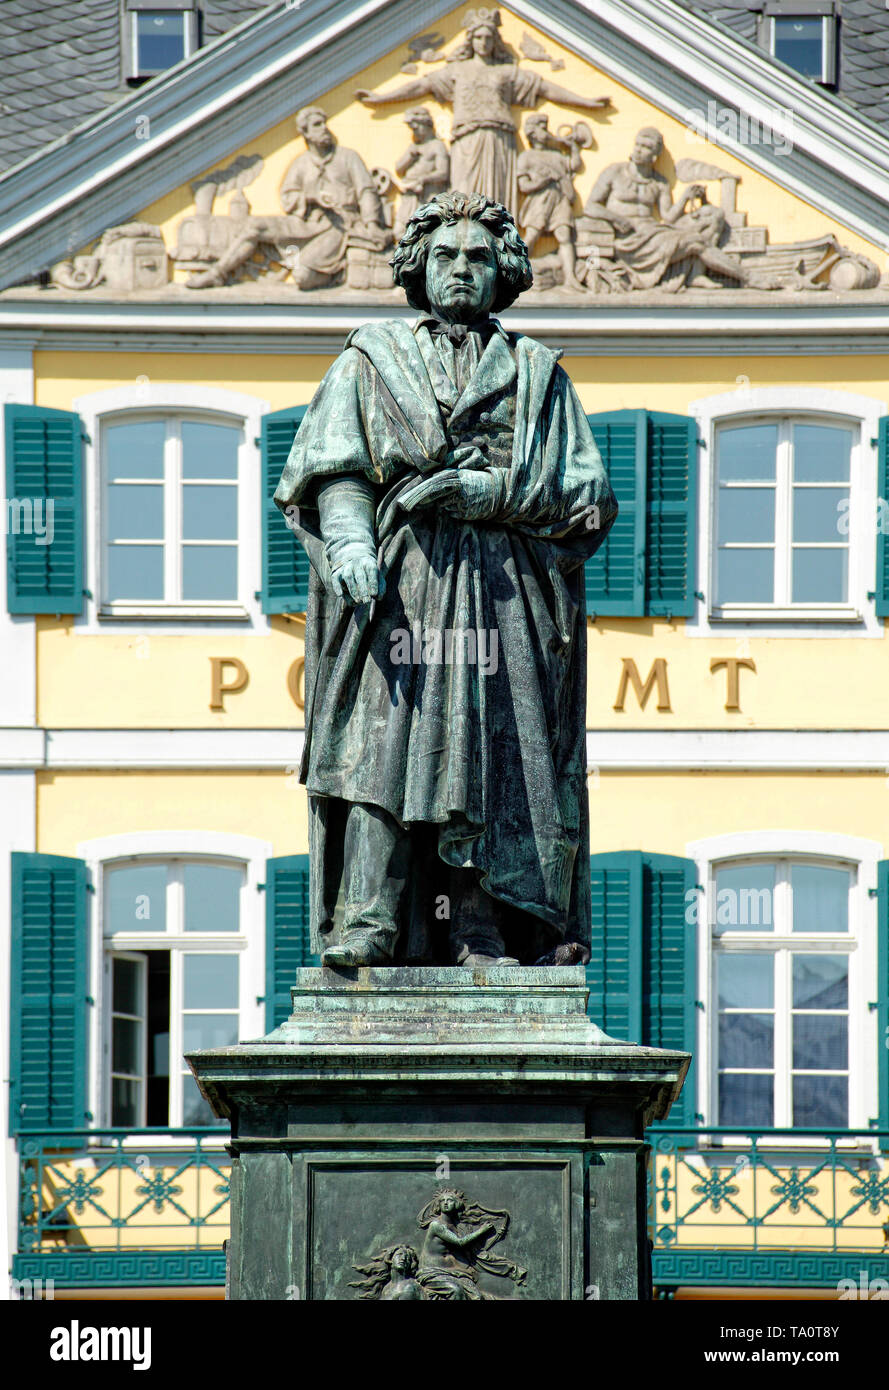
(449, 1204)
(316, 131)
(645, 150)
(483, 43)
(401, 1259)
(461, 271)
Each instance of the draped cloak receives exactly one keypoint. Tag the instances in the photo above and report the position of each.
(490, 755)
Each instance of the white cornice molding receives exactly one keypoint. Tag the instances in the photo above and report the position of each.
(686, 325)
(607, 750)
(286, 56)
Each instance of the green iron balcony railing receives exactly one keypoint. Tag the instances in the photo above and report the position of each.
(727, 1207)
(114, 1207)
(768, 1207)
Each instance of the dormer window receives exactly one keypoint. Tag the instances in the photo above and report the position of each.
(161, 34)
(802, 34)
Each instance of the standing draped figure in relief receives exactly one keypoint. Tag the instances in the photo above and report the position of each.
(482, 81)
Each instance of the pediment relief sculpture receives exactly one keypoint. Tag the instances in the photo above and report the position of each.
(340, 212)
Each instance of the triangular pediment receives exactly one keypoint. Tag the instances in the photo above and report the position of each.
(218, 193)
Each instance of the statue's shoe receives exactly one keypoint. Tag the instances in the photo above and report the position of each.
(478, 959)
(360, 950)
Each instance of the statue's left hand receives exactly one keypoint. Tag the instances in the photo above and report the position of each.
(465, 492)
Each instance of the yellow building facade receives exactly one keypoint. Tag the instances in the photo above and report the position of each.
(151, 726)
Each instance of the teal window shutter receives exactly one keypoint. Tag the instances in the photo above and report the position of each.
(671, 515)
(647, 563)
(669, 965)
(49, 1024)
(615, 576)
(882, 586)
(44, 463)
(614, 974)
(285, 564)
(883, 992)
(287, 945)
(642, 970)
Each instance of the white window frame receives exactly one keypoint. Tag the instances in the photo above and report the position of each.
(846, 851)
(856, 618)
(145, 397)
(190, 36)
(101, 854)
(141, 959)
(828, 43)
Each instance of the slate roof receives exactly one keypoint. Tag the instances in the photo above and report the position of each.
(61, 62)
(863, 58)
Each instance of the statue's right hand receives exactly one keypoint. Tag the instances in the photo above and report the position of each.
(356, 575)
(367, 97)
(622, 225)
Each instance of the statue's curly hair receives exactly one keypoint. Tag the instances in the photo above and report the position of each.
(409, 262)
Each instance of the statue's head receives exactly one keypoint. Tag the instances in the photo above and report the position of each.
(537, 128)
(311, 122)
(481, 29)
(420, 122)
(648, 145)
(404, 1260)
(449, 1201)
(461, 257)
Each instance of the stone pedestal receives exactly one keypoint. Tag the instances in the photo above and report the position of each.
(389, 1087)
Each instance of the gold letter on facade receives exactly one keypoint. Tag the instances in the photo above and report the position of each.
(656, 676)
(217, 689)
(296, 676)
(733, 665)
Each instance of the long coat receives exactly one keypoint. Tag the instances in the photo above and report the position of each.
(490, 755)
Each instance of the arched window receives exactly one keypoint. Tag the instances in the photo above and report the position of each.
(781, 512)
(787, 949)
(170, 532)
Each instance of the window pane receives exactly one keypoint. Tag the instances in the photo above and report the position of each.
(209, 571)
(817, 513)
(125, 1102)
(819, 576)
(747, 514)
(747, 453)
(798, 44)
(209, 1030)
(209, 451)
(746, 1100)
(820, 1100)
(746, 1040)
(126, 989)
(745, 576)
(126, 1046)
(195, 1110)
(821, 454)
(820, 1042)
(820, 898)
(746, 980)
(820, 982)
(745, 898)
(135, 450)
(135, 571)
(211, 981)
(212, 897)
(136, 511)
(210, 513)
(161, 40)
(136, 898)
